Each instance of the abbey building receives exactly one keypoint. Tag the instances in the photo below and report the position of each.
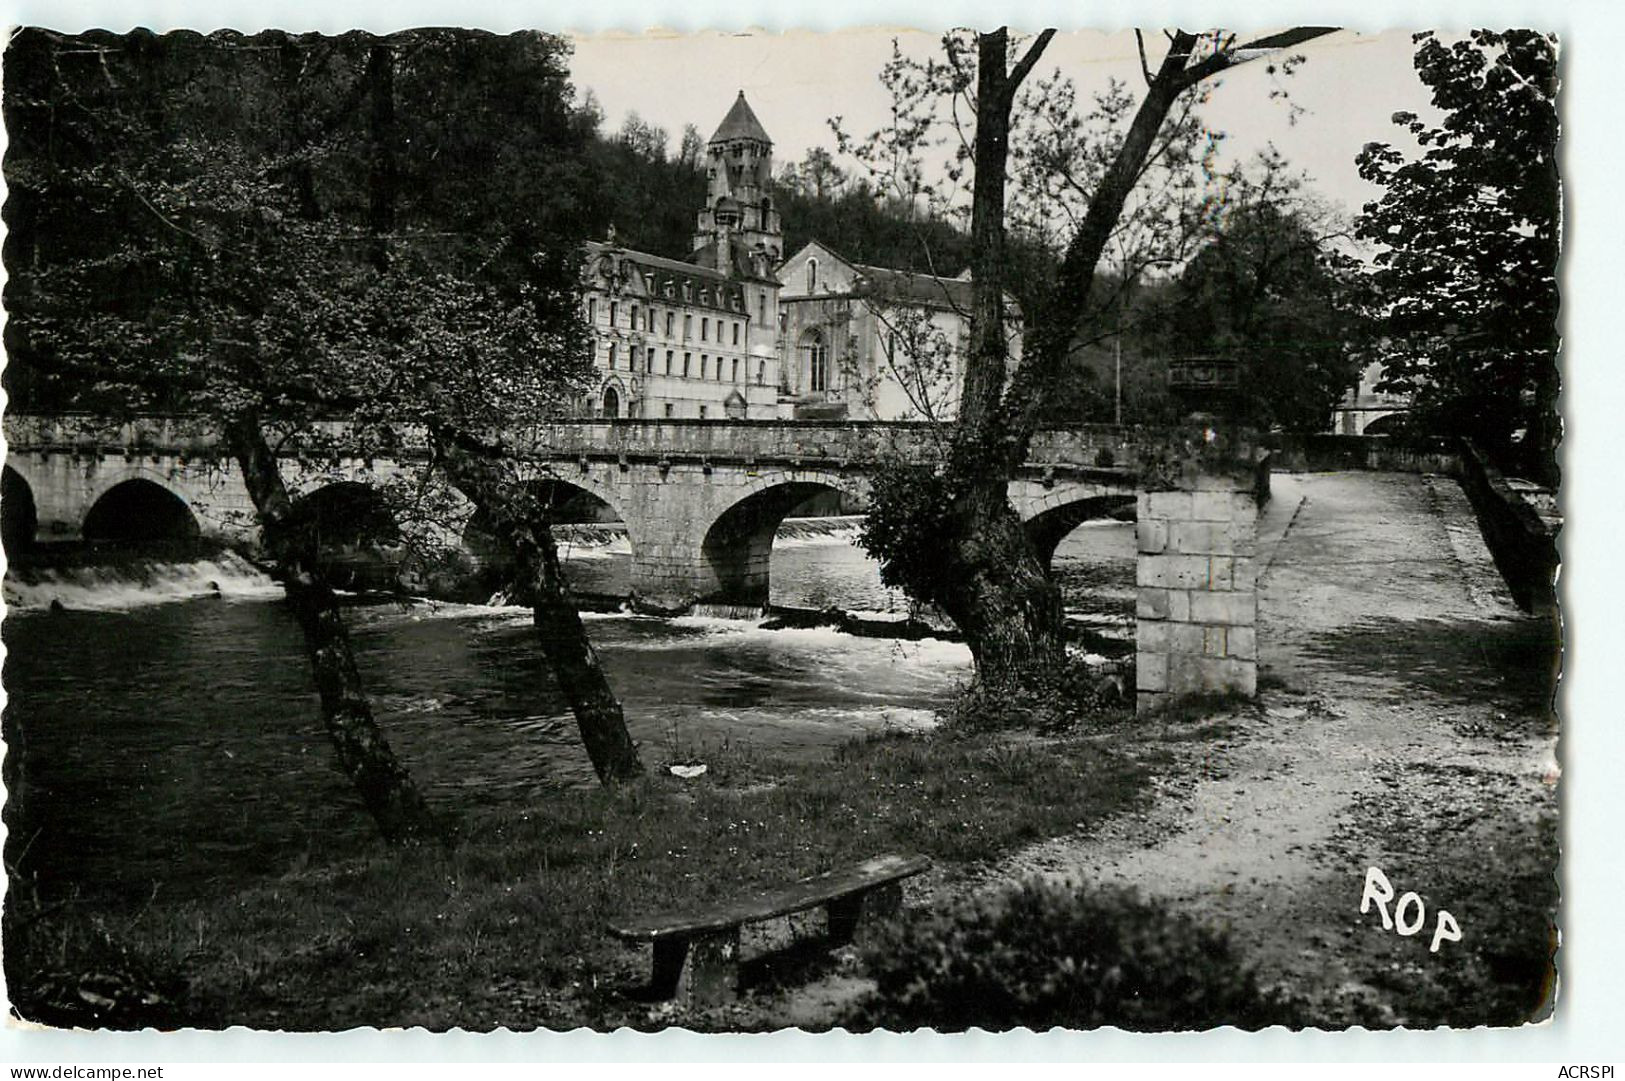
(738, 331)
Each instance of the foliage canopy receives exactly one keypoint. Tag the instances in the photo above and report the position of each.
(1466, 288)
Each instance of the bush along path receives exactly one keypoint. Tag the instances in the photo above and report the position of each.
(1404, 726)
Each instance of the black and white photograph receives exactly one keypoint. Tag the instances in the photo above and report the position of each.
(891, 529)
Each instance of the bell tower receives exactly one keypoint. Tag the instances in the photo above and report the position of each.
(738, 229)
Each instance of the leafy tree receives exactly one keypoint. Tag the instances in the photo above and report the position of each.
(1269, 289)
(981, 568)
(245, 229)
(1465, 281)
(642, 138)
(691, 151)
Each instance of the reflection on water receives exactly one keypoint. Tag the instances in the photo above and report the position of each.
(181, 742)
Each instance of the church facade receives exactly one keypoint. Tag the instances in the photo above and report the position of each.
(737, 331)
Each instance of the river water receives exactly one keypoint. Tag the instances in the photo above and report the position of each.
(159, 732)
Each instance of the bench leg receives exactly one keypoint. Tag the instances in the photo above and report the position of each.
(847, 913)
(713, 968)
(670, 953)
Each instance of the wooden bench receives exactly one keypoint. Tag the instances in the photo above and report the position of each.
(707, 939)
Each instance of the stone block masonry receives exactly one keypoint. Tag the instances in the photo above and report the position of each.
(1198, 602)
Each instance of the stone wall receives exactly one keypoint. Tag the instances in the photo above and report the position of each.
(1197, 605)
(1323, 453)
(1523, 545)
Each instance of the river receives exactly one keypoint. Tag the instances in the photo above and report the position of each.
(160, 732)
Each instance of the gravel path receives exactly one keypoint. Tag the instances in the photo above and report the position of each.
(1403, 725)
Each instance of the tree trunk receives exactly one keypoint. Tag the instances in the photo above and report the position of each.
(998, 591)
(1003, 600)
(521, 527)
(385, 786)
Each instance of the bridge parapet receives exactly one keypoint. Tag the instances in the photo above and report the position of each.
(783, 442)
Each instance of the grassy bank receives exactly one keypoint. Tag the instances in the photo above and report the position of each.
(505, 925)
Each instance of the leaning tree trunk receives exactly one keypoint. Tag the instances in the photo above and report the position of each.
(997, 590)
(522, 529)
(385, 786)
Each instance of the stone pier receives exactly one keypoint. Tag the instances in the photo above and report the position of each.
(1197, 605)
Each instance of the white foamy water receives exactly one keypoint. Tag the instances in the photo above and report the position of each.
(595, 547)
(136, 585)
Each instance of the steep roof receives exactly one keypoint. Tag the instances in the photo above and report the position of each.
(740, 123)
(909, 287)
(901, 286)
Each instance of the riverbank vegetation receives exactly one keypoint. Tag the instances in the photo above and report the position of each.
(505, 924)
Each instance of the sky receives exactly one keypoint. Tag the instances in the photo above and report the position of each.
(1345, 93)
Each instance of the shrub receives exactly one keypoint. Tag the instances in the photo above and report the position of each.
(1044, 697)
(911, 510)
(1044, 955)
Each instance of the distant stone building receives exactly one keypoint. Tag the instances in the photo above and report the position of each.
(1366, 411)
(738, 332)
(676, 339)
(871, 343)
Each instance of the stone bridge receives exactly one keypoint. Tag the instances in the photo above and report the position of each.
(701, 502)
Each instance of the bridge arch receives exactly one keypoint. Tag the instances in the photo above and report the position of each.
(19, 515)
(139, 510)
(569, 503)
(737, 550)
(1048, 526)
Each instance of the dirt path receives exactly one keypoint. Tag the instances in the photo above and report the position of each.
(1402, 725)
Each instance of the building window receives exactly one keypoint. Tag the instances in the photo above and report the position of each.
(632, 319)
(812, 274)
(612, 403)
(612, 356)
(668, 361)
(688, 327)
(736, 370)
(817, 352)
(592, 309)
(761, 308)
(761, 372)
(705, 360)
(668, 409)
(649, 321)
(612, 307)
(702, 412)
(705, 330)
(686, 357)
(631, 358)
(670, 318)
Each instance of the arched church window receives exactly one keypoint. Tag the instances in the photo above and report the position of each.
(817, 354)
(612, 403)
